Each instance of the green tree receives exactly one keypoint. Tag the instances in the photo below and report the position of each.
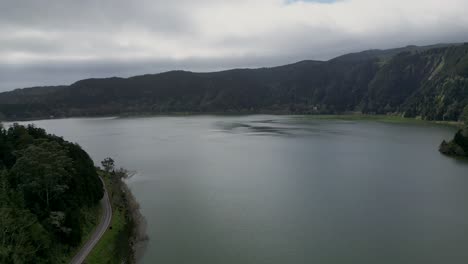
(43, 172)
(21, 235)
(108, 164)
(4, 187)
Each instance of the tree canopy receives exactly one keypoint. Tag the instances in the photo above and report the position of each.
(45, 184)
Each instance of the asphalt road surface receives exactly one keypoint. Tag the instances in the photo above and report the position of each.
(98, 232)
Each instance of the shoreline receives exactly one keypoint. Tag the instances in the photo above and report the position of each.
(125, 240)
(382, 118)
(346, 116)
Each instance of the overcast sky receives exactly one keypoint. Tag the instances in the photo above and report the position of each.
(54, 42)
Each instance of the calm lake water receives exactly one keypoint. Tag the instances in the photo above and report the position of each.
(278, 190)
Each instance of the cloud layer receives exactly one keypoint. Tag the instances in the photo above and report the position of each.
(60, 41)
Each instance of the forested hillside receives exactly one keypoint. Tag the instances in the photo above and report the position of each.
(429, 82)
(48, 191)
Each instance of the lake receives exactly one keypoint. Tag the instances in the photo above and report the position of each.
(286, 189)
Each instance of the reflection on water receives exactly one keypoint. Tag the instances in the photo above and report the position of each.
(254, 128)
(278, 127)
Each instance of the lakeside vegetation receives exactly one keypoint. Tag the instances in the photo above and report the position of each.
(49, 191)
(458, 146)
(381, 118)
(126, 237)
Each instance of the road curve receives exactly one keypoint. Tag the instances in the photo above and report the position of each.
(99, 231)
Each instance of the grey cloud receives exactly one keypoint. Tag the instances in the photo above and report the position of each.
(94, 15)
(64, 73)
(30, 44)
(62, 41)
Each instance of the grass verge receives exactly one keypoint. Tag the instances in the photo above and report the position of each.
(109, 248)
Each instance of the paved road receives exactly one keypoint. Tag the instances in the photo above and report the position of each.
(98, 232)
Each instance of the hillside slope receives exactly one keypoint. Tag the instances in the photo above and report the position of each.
(431, 82)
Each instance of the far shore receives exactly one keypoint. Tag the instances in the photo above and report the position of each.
(389, 118)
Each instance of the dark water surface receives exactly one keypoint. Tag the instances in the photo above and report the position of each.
(279, 190)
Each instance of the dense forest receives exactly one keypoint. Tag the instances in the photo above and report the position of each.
(427, 82)
(458, 146)
(48, 189)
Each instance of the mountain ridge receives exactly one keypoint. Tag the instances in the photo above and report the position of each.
(427, 81)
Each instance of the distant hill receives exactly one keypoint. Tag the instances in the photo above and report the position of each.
(430, 82)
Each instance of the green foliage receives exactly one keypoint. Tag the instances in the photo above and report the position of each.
(458, 146)
(462, 67)
(45, 185)
(461, 139)
(42, 172)
(24, 240)
(464, 115)
(86, 188)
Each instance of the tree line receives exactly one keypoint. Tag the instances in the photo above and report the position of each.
(458, 146)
